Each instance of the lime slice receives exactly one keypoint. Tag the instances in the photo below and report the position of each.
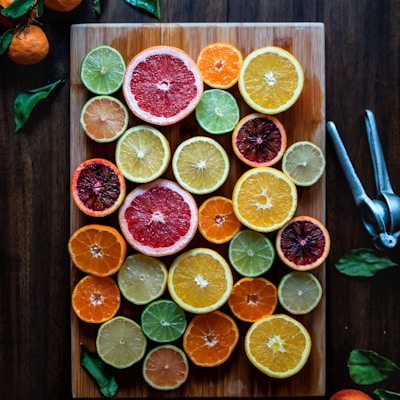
(102, 70)
(163, 321)
(299, 292)
(217, 111)
(120, 342)
(304, 163)
(142, 279)
(142, 154)
(251, 253)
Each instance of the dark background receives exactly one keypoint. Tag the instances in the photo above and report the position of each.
(362, 71)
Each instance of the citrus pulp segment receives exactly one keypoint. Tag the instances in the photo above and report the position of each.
(97, 249)
(217, 220)
(278, 345)
(96, 299)
(271, 80)
(142, 278)
(304, 162)
(264, 199)
(253, 298)
(104, 118)
(142, 154)
(120, 342)
(165, 367)
(210, 338)
(303, 243)
(162, 85)
(102, 70)
(98, 187)
(163, 321)
(299, 292)
(259, 140)
(200, 280)
(158, 218)
(251, 253)
(200, 165)
(217, 111)
(219, 64)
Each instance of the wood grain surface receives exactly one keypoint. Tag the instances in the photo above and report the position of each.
(304, 121)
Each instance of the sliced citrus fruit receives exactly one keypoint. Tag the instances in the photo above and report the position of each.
(200, 165)
(210, 338)
(163, 321)
(200, 280)
(162, 85)
(104, 118)
(304, 162)
(259, 140)
(142, 278)
(102, 70)
(159, 218)
(219, 64)
(264, 199)
(278, 345)
(299, 292)
(303, 243)
(217, 112)
(271, 80)
(97, 249)
(98, 187)
(142, 154)
(165, 367)
(251, 253)
(253, 298)
(217, 220)
(96, 299)
(120, 342)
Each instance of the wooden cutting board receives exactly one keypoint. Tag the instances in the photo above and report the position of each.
(304, 121)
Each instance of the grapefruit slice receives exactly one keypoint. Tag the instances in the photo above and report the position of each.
(158, 218)
(162, 85)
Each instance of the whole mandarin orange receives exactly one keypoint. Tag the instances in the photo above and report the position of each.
(62, 5)
(10, 22)
(29, 45)
(350, 394)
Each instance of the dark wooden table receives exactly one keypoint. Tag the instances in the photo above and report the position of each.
(362, 71)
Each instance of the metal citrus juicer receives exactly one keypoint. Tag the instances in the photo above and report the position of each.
(381, 215)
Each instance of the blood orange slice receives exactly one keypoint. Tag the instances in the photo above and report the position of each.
(259, 140)
(303, 243)
(162, 85)
(159, 218)
(98, 187)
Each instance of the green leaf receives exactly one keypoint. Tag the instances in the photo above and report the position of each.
(5, 40)
(26, 101)
(17, 9)
(96, 6)
(367, 367)
(386, 394)
(151, 6)
(102, 373)
(363, 262)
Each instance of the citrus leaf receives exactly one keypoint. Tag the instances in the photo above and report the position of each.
(96, 6)
(151, 6)
(100, 371)
(363, 262)
(26, 101)
(17, 9)
(5, 40)
(386, 394)
(367, 367)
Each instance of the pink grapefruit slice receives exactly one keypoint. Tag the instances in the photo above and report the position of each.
(162, 85)
(158, 218)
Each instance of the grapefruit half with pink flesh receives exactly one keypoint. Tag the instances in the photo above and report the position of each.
(162, 85)
(158, 218)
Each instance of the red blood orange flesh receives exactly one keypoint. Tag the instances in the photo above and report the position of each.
(259, 140)
(159, 218)
(162, 85)
(98, 187)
